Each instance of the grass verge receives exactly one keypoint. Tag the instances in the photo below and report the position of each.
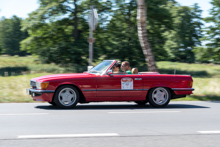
(206, 77)
(13, 88)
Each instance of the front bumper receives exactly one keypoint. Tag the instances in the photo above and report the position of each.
(41, 95)
(32, 92)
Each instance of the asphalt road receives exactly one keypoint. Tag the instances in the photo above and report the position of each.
(191, 124)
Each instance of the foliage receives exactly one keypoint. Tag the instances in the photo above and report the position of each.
(11, 35)
(211, 51)
(120, 39)
(186, 33)
(58, 31)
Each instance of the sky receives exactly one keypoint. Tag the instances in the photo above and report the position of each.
(21, 8)
(204, 5)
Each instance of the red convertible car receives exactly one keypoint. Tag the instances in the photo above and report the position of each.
(100, 84)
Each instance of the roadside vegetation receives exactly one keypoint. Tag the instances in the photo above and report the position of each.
(13, 86)
(15, 65)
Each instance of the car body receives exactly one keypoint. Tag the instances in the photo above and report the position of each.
(100, 84)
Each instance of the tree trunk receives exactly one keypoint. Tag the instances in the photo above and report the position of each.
(142, 34)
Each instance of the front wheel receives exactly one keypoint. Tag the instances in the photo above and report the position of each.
(159, 97)
(66, 96)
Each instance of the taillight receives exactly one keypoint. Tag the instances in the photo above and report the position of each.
(190, 83)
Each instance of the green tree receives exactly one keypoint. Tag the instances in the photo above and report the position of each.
(55, 30)
(59, 31)
(211, 51)
(186, 33)
(11, 35)
(120, 39)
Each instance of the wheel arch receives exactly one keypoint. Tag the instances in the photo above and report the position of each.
(171, 91)
(82, 98)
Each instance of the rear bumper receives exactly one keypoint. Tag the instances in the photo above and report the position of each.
(41, 95)
(183, 91)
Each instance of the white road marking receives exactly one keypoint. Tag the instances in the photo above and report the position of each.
(68, 135)
(209, 132)
(121, 112)
(23, 114)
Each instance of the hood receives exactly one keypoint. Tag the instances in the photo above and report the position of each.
(62, 77)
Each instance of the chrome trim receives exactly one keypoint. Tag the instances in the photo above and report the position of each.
(124, 74)
(137, 78)
(41, 91)
(116, 90)
(109, 60)
(119, 74)
(33, 81)
(89, 90)
(119, 89)
(183, 89)
(105, 72)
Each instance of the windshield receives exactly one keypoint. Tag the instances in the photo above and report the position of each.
(101, 67)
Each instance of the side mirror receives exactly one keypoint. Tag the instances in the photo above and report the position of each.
(89, 68)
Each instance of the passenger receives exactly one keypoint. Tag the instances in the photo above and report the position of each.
(116, 67)
(134, 71)
(125, 66)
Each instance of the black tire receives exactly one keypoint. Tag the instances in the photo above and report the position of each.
(52, 103)
(159, 97)
(141, 102)
(66, 96)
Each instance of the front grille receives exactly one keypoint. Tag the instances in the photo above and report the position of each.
(33, 84)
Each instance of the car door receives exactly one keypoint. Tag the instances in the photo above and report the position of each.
(119, 85)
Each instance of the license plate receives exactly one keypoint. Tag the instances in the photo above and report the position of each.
(28, 91)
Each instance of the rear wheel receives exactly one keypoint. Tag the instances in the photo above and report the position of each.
(159, 97)
(66, 96)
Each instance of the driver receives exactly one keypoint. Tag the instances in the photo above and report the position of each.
(116, 67)
(125, 66)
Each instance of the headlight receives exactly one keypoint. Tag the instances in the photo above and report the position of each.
(42, 85)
